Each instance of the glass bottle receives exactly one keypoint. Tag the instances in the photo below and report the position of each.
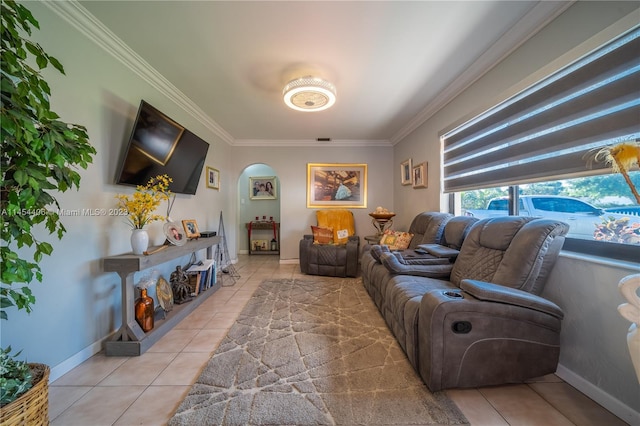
(144, 310)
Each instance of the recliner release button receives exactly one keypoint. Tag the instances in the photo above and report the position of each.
(461, 327)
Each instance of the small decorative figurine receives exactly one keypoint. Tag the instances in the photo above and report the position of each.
(180, 286)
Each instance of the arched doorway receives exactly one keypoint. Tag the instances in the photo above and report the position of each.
(259, 200)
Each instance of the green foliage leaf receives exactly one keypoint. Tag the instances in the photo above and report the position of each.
(15, 376)
(20, 177)
(39, 155)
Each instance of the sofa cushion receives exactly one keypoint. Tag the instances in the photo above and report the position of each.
(438, 268)
(428, 227)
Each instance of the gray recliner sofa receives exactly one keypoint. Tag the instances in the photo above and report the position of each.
(480, 320)
(426, 227)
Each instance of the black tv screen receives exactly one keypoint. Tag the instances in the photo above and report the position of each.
(158, 145)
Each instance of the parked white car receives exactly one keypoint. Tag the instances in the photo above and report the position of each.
(582, 217)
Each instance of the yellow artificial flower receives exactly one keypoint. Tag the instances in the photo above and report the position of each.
(142, 203)
(622, 157)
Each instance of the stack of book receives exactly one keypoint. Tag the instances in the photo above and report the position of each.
(202, 276)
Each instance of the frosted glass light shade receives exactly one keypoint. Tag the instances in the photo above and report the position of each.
(309, 94)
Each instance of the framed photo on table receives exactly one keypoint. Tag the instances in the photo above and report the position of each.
(406, 176)
(336, 185)
(263, 188)
(191, 228)
(213, 178)
(420, 175)
(175, 235)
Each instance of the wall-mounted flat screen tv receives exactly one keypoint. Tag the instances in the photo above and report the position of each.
(158, 145)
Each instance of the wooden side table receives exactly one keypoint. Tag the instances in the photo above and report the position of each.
(264, 227)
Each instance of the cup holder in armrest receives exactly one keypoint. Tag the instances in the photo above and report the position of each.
(453, 294)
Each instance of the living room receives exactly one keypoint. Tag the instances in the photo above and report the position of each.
(78, 305)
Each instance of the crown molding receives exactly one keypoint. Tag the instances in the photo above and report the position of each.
(82, 20)
(537, 18)
(312, 143)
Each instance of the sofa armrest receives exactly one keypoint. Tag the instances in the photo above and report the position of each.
(353, 255)
(305, 245)
(498, 293)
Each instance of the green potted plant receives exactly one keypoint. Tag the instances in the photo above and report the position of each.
(40, 155)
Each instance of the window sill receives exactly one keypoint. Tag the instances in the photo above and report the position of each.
(634, 267)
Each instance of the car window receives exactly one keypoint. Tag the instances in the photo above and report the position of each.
(499, 205)
(576, 206)
(546, 204)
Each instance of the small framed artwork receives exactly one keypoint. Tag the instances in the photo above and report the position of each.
(406, 176)
(263, 188)
(337, 185)
(420, 175)
(213, 178)
(175, 235)
(191, 228)
(259, 245)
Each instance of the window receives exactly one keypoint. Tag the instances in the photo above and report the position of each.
(599, 210)
(539, 145)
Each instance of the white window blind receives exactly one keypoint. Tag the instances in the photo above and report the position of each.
(550, 129)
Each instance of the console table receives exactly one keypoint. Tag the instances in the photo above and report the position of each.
(130, 340)
(273, 231)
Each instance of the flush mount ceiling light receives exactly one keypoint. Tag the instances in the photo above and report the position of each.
(309, 94)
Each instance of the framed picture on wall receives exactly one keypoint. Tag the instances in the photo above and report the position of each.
(263, 188)
(336, 185)
(420, 175)
(213, 178)
(406, 177)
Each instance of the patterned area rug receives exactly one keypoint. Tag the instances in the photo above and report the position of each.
(312, 352)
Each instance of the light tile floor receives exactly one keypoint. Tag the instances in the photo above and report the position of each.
(146, 390)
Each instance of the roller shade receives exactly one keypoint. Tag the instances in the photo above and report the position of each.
(550, 129)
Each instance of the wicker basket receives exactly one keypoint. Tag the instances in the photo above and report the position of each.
(32, 408)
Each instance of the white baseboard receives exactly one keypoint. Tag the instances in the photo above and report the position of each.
(289, 261)
(70, 363)
(617, 407)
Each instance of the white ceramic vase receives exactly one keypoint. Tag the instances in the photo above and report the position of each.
(139, 241)
(629, 286)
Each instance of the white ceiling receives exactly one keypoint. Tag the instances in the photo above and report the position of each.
(394, 63)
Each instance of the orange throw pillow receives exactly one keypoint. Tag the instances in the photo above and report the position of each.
(322, 235)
